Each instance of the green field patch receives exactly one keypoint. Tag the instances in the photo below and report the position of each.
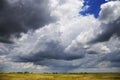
(59, 76)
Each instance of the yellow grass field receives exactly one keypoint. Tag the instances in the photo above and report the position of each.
(40, 76)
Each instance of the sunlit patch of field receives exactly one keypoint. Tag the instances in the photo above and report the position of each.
(73, 76)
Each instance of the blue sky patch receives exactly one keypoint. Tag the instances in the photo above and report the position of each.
(94, 7)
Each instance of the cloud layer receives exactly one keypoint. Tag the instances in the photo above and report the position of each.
(71, 42)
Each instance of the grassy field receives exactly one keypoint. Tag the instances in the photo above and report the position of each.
(39, 76)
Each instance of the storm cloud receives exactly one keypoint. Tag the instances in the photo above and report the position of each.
(52, 51)
(20, 16)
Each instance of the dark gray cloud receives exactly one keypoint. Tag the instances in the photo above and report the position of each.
(113, 57)
(53, 50)
(2, 4)
(58, 65)
(109, 30)
(18, 16)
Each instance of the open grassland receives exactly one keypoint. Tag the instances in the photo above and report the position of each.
(72, 76)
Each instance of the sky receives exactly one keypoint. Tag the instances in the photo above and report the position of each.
(59, 35)
(93, 7)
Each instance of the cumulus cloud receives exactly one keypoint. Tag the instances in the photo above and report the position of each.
(17, 16)
(51, 41)
(48, 42)
(63, 45)
(110, 21)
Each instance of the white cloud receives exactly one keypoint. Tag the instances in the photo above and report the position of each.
(63, 9)
(110, 11)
